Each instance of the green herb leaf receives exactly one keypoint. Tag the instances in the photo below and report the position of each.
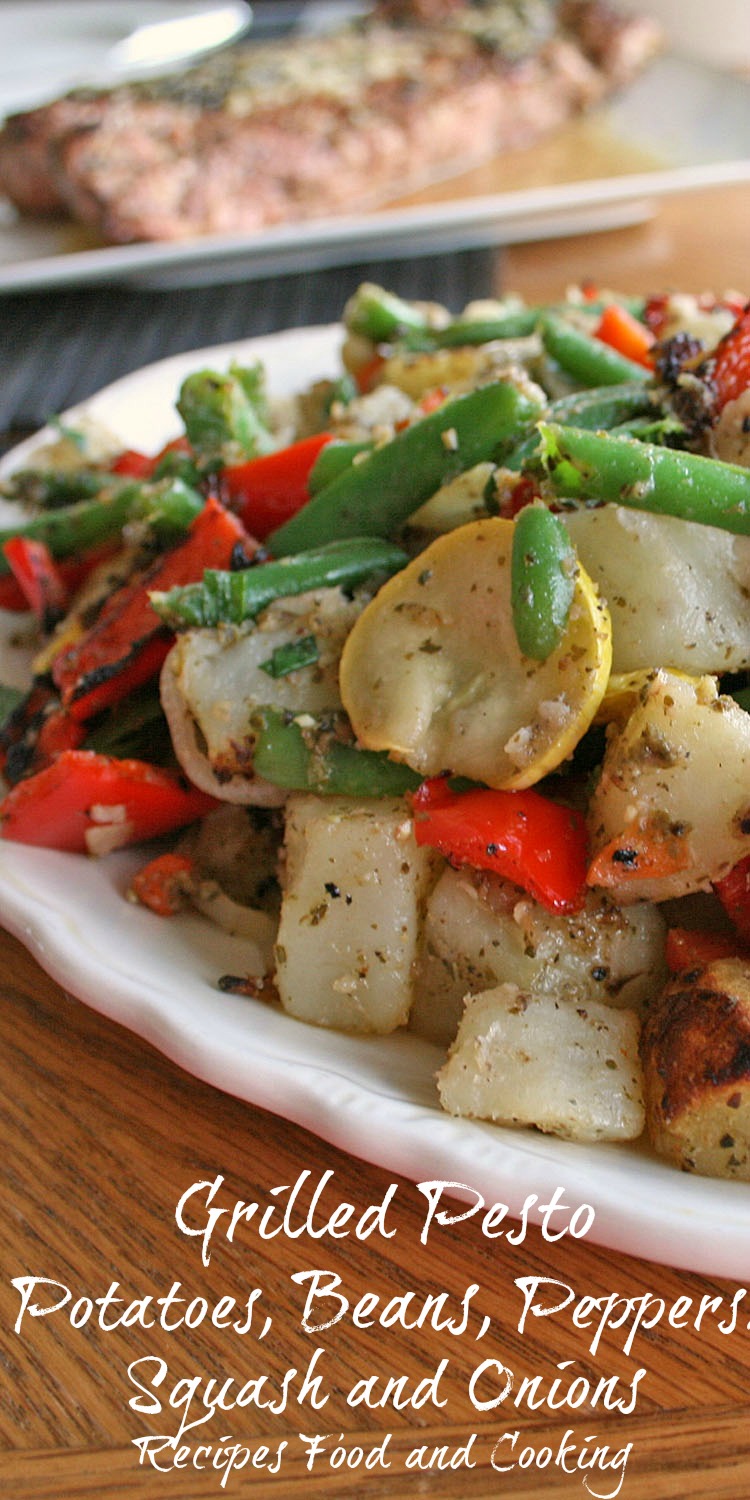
(291, 657)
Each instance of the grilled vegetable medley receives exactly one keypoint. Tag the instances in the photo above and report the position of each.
(433, 682)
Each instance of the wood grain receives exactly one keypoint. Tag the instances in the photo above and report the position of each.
(100, 1136)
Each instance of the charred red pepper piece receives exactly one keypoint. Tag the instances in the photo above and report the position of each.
(687, 948)
(39, 578)
(163, 885)
(36, 731)
(136, 465)
(89, 803)
(523, 493)
(734, 894)
(12, 596)
(729, 365)
(268, 490)
(127, 644)
(523, 836)
(132, 464)
(71, 570)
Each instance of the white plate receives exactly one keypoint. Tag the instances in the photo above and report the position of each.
(372, 1097)
(47, 47)
(680, 126)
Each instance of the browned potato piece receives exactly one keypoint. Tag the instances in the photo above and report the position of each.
(695, 1049)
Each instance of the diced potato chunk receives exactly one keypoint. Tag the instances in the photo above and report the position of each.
(481, 931)
(354, 888)
(213, 680)
(678, 771)
(569, 1070)
(696, 1057)
(221, 672)
(677, 592)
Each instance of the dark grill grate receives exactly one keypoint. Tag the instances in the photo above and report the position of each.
(60, 347)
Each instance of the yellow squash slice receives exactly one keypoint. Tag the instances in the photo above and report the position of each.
(433, 674)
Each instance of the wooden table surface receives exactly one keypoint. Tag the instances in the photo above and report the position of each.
(101, 1137)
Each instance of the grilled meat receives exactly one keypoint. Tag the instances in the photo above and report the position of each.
(306, 127)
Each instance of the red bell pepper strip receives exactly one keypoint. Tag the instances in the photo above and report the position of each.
(89, 804)
(523, 836)
(36, 731)
(72, 571)
(734, 894)
(163, 885)
(39, 577)
(268, 490)
(58, 731)
(729, 364)
(686, 948)
(135, 465)
(127, 644)
(12, 596)
(132, 464)
(622, 331)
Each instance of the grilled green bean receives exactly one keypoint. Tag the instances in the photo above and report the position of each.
(334, 459)
(375, 497)
(588, 360)
(302, 758)
(543, 565)
(231, 598)
(225, 415)
(380, 315)
(168, 508)
(592, 466)
(601, 407)
(49, 489)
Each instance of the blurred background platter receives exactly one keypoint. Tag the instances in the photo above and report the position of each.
(49, 46)
(684, 123)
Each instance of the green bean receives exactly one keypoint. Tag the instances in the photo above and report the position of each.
(167, 508)
(543, 564)
(593, 466)
(588, 360)
(384, 318)
(602, 406)
(231, 598)
(516, 323)
(225, 415)
(301, 757)
(380, 315)
(176, 465)
(512, 322)
(78, 527)
(666, 431)
(49, 489)
(376, 496)
(333, 460)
